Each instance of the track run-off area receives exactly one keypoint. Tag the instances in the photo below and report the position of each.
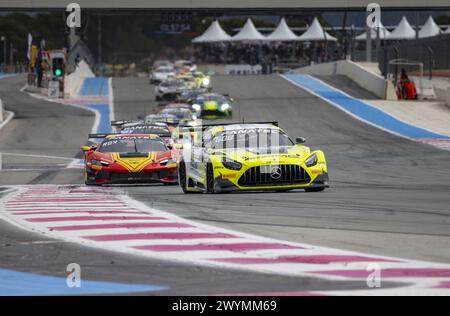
(387, 207)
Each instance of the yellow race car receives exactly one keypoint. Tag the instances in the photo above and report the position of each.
(250, 157)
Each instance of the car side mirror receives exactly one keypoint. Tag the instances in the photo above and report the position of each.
(300, 140)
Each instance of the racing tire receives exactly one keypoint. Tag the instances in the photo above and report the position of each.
(87, 181)
(210, 178)
(182, 179)
(314, 189)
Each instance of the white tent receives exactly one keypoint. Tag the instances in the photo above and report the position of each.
(248, 33)
(403, 31)
(373, 33)
(214, 33)
(316, 33)
(429, 29)
(282, 33)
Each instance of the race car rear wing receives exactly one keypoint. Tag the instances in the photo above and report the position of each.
(101, 135)
(204, 126)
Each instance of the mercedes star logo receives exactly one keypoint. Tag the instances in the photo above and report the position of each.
(275, 173)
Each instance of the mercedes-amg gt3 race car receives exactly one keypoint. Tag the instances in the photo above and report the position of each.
(129, 158)
(256, 156)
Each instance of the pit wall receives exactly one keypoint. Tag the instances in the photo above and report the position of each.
(365, 78)
(447, 97)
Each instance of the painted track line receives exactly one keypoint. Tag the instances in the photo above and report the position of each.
(10, 116)
(152, 233)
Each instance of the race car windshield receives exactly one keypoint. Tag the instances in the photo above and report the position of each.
(253, 138)
(178, 113)
(164, 69)
(132, 145)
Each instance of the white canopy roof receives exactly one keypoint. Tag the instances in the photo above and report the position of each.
(248, 33)
(214, 33)
(429, 29)
(403, 31)
(373, 33)
(315, 33)
(282, 33)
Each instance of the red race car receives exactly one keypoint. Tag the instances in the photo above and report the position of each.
(129, 158)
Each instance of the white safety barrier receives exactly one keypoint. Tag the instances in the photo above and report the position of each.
(74, 81)
(365, 78)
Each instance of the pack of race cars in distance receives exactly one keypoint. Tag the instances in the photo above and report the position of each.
(172, 146)
(185, 84)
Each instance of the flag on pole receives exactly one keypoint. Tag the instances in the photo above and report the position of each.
(30, 42)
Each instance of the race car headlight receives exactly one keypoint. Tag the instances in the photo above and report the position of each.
(197, 107)
(224, 107)
(205, 82)
(311, 161)
(232, 165)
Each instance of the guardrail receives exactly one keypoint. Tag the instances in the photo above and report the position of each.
(447, 97)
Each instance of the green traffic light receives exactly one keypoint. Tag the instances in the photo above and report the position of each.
(58, 72)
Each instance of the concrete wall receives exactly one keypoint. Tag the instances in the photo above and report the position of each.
(74, 81)
(361, 75)
(447, 99)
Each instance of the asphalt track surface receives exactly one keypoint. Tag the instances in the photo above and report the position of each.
(389, 196)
